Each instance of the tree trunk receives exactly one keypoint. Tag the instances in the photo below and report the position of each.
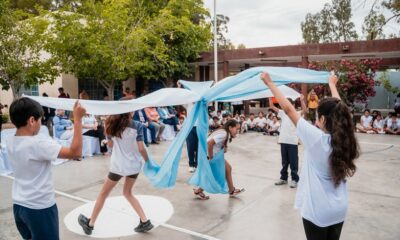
(109, 86)
(15, 90)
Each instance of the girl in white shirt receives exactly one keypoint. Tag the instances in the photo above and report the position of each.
(126, 139)
(379, 125)
(274, 126)
(218, 141)
(329, 153)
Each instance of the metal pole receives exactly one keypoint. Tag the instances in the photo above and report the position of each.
(215, 49)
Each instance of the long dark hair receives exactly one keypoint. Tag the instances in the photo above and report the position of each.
(225, 127)
(345, 149)
(116, 124)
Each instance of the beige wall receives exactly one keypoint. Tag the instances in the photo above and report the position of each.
(67, 81)
(70, 85)
(130, 83)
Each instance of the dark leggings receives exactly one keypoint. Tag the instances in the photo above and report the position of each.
(313, 232)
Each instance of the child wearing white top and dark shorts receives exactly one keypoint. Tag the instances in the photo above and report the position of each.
(30, 154)
(329, 153)
(218, 141)
(126, 138)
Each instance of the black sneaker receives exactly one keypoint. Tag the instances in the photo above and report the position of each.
(144, 226)
(84, 222)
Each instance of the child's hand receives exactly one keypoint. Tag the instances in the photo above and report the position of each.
(78, 112)
(333, 79)
(266, 78)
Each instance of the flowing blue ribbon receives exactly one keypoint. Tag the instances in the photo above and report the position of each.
(210, 175)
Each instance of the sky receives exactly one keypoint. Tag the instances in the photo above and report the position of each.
(265, 23)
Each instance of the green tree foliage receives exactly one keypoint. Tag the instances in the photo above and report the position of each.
(222, 29)
(22, 59)
(372, 27)
(332, 24)
(113, 40)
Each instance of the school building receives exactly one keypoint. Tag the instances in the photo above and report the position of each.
(231, 62)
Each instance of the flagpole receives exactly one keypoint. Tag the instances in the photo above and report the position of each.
(215, 50)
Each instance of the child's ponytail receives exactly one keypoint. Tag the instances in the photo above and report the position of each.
(339, 123)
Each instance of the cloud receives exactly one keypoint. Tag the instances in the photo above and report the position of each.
(260, 23)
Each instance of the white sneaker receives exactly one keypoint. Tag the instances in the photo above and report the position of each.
(293, 184)
(192, 169)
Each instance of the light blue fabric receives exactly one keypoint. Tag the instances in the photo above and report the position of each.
(210, 175)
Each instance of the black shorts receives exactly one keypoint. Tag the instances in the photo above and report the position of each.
(37, 224)
(116, 177)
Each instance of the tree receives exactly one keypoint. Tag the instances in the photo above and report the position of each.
(372, 27)
(356, 78)
(331, 24)
(112, 40)
(222, 29)
(22, 61)
(344, 29)
(241, 46)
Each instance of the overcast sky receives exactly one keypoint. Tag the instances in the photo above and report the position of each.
(263, 23)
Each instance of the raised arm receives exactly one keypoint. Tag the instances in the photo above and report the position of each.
(75, 150)
(283, 102)
(333, 79)
(271, 105)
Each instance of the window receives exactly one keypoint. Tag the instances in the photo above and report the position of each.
(31, 91)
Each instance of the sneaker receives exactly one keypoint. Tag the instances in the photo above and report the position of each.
(192, 169)
(144, 226)
(293, 184)
(84, 222)
(281, 182)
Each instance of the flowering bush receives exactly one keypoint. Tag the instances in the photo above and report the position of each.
(356, 78)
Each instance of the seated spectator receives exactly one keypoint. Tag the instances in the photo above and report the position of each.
(214, 123)
(63, 126)
(168, 117)
(154, 119)
(251, 123)
(237, 118)
(224, 119)
(90, 127)
(379, 125)
(180, 123)
(393, 125)
(273, 126)
(243, 124)
(365, 122)
(389, 116)
(140, 116)
(261, 122)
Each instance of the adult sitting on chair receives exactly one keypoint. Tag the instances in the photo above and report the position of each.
(63, 126)
(90, 127)
(140, 116)
(154, 118)
(168, 117)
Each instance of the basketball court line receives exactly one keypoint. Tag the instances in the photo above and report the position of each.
(165, 225)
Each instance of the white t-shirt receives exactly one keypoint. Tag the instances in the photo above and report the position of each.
(219, 137)
(287, 132)
(379, 124)
(251, 123)
(274, 126)
(88, 120)
(366, 121)
(317, 198)
(30, 157)
(261, 122)
(126, 159)
(392, 125)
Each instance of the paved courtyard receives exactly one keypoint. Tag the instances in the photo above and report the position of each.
(264, 211)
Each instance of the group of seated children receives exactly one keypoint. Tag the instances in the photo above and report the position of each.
(267, 125)
(375, 123)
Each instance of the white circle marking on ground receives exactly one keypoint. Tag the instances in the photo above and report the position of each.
(117, 218)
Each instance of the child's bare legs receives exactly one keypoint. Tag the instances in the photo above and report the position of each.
(128, 185)
(228, 176)
(105, 191)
